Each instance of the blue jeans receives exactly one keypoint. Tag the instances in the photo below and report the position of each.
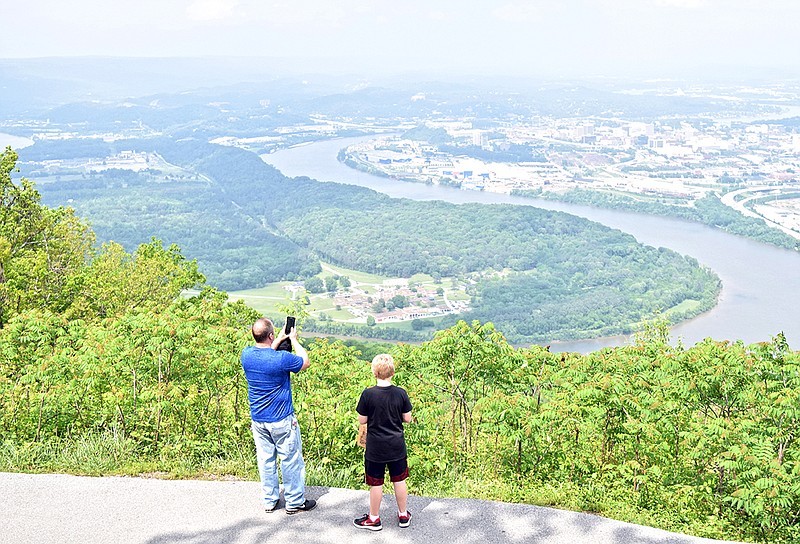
(280, 439)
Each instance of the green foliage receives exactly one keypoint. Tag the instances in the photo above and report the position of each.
(116, 282)
(562, 277)
(121, 374)
(41, 249)
(314, 285)
(708, 210)
(515, 153)
(165, 379)
(208, 217)
(331, 284)
(698, 440)
(375, 332)
(424, 133)
(47, 262)
(422, 324)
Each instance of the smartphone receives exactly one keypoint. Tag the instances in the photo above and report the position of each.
(286, 344)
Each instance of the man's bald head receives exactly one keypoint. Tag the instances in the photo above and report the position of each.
(262, 329)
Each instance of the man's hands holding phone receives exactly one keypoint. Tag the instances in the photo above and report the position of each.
(287, 341)
(287, 335)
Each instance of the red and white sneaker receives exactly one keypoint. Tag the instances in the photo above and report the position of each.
(404, 521)
(365, 523)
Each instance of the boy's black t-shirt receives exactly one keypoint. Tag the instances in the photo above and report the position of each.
(384, 408)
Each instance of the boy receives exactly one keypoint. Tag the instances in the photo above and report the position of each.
(384, 408)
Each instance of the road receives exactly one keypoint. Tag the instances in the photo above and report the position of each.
(45, 508)
(754, 193)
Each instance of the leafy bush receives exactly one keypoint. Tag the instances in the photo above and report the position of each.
(697, 440)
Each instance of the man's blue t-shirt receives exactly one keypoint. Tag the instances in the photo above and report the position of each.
(268, 385)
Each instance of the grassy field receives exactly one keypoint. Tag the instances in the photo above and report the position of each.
(267, 298)
(685, 306)
(457, 295)
(354, 275)
(421, 278)
(340, 315)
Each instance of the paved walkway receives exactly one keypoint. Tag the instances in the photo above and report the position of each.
(55, 508)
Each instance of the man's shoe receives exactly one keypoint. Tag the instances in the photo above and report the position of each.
(310, 504)
(271, 509)
(365, 523)
(404, 521)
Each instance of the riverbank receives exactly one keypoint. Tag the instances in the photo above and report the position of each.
(14, 142)
(751, 308)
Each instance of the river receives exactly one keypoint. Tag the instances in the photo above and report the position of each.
(760, 283)
(16, 142)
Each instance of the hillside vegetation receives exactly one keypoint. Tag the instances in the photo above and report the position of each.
(105, 370)
(698, 440)
(538, 275)
(708, 210)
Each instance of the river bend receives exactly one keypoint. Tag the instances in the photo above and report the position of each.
(760, 283)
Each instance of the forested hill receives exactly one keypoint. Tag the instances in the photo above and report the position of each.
(105, 369)
(539, 275)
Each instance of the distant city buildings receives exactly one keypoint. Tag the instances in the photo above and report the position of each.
(676, 160)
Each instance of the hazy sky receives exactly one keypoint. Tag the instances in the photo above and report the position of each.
(570, 37)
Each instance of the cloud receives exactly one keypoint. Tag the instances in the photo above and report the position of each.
(518, 12)
(682, 4)
(211, 10)
(299, 13)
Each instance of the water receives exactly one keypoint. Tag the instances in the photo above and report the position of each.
(16, 142)
(760, 283)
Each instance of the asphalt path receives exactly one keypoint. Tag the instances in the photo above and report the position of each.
(57, 508)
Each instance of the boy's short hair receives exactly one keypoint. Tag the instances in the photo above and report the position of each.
(383, 366)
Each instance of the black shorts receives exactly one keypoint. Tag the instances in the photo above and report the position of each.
(398, 471)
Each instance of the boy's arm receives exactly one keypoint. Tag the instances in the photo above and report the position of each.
(407, 406)
(362, 407)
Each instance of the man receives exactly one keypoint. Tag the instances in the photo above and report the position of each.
(275, 429)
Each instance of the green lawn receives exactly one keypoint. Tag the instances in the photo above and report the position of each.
(263, 305)
(265, 299)
(457, 295)
(369, 289)
(421, 278)
(354, 275)
(272, 290)
(321, 303)
(402, 325)
(686, 305)
(340, 315)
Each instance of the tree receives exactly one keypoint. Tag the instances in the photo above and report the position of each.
(331, 284)
(314, 285)
(41, 249)
(420, 324)
(116, 282)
